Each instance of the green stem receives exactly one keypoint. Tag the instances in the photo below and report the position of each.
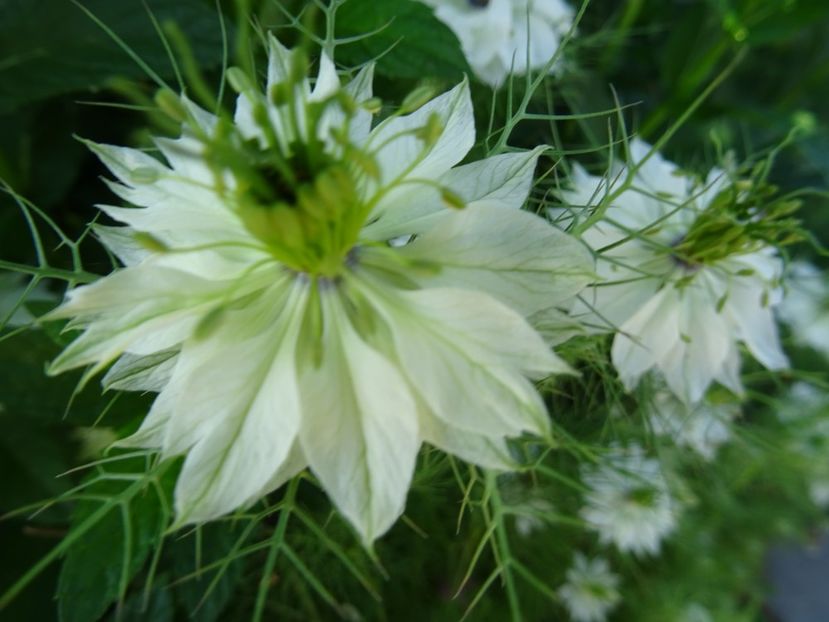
(48, 272)
(76, 533)
(276, 543)
(503, 545)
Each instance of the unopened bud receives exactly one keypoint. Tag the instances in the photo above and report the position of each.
(171, 105)
(150, 242)
(239, 81)
(144, 175)
(417, 98)
(372, 105)
(452, 199)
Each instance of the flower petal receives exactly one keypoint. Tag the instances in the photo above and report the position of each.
(515, 256)
(647, 336)
(359, 428)
(245, 377)
(464, 352)
(502, 181)
(403, 155)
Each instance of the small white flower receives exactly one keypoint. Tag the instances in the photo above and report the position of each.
(529, 516)
(263, 301)
(696, 613)
(498, 37)
(680, 296)
(819, 492)
(702, 427)
(805, 307)
(591, 591)
(628, 502)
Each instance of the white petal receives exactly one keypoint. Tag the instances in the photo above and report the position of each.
(463, 352)
(647, 336)
(359, 429)
(396, 149)
(754, 322)
(484, 451)
(248, 384)
(512, 255)
(360, 88)
(121, 241)
(141, 373)
(502, 181)
(701, 351)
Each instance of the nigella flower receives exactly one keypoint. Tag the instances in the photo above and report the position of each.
(305, 291)
(591, 590)
(628, 502)
(685, 273)
(499, 37)
(805, 307)
(701, 427)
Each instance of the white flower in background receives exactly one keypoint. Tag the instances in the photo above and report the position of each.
(499, 37)
(591, 591)
(702, 427)
(819, 492)
(530, 516)
(803, 409)
(262, 299)
(681, 280)
(628, 503)
(805, 307)
(696, 613)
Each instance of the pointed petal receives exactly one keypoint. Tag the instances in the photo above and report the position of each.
(141, 373)
(484, 451)
(647, 336)
(502, 181)
(396, 148)
(464, 352)
(359, 429)
(245, 377)
(513, 255)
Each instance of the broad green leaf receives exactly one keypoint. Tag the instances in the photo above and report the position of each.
(205, 596)
(109, 554)
(49, 47)
(417, 44)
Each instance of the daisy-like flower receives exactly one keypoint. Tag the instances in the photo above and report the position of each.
(628, 502)
(591, 590)
(500, 37)
(305, 291)
(805, 307)
(684, 273)
(702, 427)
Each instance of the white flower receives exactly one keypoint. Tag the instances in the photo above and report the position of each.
(262, 300)
(591, 591)
(628, 502)
(679, 280)
(499, 37)
(702, 427)
(819, 492)
(805, 307)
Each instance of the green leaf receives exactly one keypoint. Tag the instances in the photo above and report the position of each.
(100, 564)
(418, 44)
(215, 542)
(49, 47)
(157, 608)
